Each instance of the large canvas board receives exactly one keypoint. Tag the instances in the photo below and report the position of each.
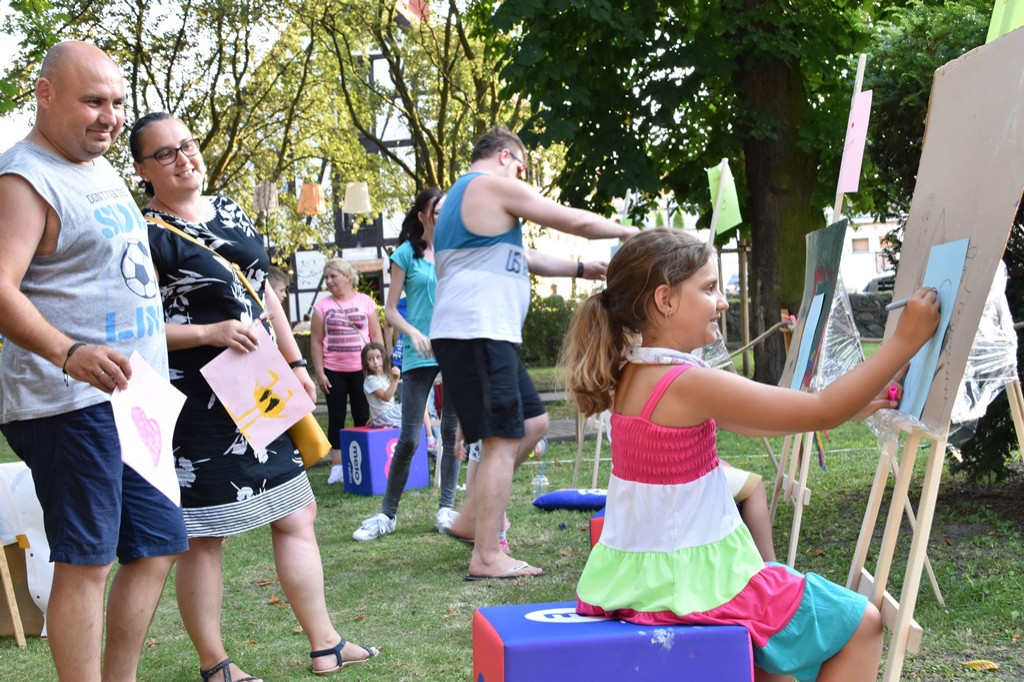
(969, 185)
(821, 272)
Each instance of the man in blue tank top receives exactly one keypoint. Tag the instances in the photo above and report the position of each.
(78, 295)
(483, 293)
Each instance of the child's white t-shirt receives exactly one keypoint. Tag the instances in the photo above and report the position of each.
(382, 412)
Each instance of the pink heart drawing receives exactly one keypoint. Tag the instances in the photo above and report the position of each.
(149, 431)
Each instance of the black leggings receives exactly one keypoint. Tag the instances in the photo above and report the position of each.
(346, 387)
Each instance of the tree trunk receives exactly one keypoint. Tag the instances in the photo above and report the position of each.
(781, 177)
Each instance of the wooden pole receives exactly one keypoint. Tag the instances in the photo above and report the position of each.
(744, 306)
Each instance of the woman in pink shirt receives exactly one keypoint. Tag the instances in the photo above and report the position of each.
(342, 324)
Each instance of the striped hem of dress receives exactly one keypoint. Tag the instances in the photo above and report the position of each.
(253, 512)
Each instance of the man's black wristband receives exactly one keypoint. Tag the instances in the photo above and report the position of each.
(301, 362)
(64, 367)
(579, 268)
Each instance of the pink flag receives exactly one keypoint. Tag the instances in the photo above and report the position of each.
(856, 136)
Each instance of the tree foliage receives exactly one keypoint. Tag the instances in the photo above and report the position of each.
(908, 46)
(646, 94)
(285, 92)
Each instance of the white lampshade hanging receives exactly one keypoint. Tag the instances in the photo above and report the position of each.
(265, 198)
(357, 198)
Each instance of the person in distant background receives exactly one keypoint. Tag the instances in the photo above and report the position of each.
(343, 323)
(278, 280)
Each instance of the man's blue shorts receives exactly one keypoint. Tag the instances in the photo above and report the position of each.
(94, 506)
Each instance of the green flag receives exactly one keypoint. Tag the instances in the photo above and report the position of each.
(1007, 15)
(726, 207)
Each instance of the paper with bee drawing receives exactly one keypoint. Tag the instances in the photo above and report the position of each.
(145, 414)
(259, 390)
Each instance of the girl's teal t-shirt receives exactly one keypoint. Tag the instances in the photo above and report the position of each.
(420, 285)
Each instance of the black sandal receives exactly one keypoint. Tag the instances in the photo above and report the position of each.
(336, 650)
(224, 665)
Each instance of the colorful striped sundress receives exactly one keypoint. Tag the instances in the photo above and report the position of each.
(674, 550)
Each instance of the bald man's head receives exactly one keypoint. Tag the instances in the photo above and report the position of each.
(80, 96)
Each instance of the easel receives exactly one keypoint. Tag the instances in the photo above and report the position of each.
(12, 602)
(899, 616)
(797, 449)
(581, 430)
(906, 632)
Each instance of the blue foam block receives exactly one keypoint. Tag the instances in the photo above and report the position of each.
(530, 642)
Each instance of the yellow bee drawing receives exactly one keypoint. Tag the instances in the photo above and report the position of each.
(268, 404)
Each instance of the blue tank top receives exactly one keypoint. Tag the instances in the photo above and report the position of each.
(483, 284)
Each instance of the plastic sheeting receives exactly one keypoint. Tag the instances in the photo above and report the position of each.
(991, 365)
(841, 350)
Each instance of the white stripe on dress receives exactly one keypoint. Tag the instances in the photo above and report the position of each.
(702, 512)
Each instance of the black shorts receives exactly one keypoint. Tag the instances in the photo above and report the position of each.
(491, 390)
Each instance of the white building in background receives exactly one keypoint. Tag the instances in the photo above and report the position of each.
(863, 252)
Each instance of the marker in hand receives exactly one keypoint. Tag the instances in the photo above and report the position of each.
(894, 392)
(898, 303)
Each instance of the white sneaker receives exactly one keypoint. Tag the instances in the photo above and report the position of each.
(337, 474)
(445, 518)
(373, 527)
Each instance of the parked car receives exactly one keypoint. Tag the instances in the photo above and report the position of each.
(732, 289)
(884, 282)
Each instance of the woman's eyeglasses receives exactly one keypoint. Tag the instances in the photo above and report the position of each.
(165, 156)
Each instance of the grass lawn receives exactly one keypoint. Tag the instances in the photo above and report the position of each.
(405, 593)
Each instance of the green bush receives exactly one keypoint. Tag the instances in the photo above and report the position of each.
(544, 329)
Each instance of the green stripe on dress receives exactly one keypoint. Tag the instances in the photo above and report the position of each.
(665, 581)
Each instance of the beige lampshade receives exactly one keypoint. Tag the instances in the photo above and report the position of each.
(357, 198)
(311, 200)
(265, 198)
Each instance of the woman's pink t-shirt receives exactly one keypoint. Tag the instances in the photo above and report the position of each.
(346, 333)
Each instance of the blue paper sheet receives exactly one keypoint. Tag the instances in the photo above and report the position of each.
(944, 271)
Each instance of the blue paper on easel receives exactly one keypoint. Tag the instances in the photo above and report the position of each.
(944, 271)
(807, 341)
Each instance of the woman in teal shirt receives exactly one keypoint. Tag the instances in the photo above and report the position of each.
(412, 271)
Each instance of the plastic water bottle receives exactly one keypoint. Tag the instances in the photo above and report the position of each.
(539, 485)
(540, 482)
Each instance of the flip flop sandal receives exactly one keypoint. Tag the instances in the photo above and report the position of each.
(506, 575)
(224, 665)
(342, 663)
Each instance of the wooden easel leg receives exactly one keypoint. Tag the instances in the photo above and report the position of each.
(12, 601)
(1016, 398)
(909, 508)
(867, 527)
(771, 454)
(915, 560)
(581, 428)
(780, 476)
(597, 450)
(892, 524)
(797, 495)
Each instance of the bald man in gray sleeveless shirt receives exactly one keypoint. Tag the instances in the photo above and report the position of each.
(78, 295)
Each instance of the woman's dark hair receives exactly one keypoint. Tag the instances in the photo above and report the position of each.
(135, 140)
(412, 228)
